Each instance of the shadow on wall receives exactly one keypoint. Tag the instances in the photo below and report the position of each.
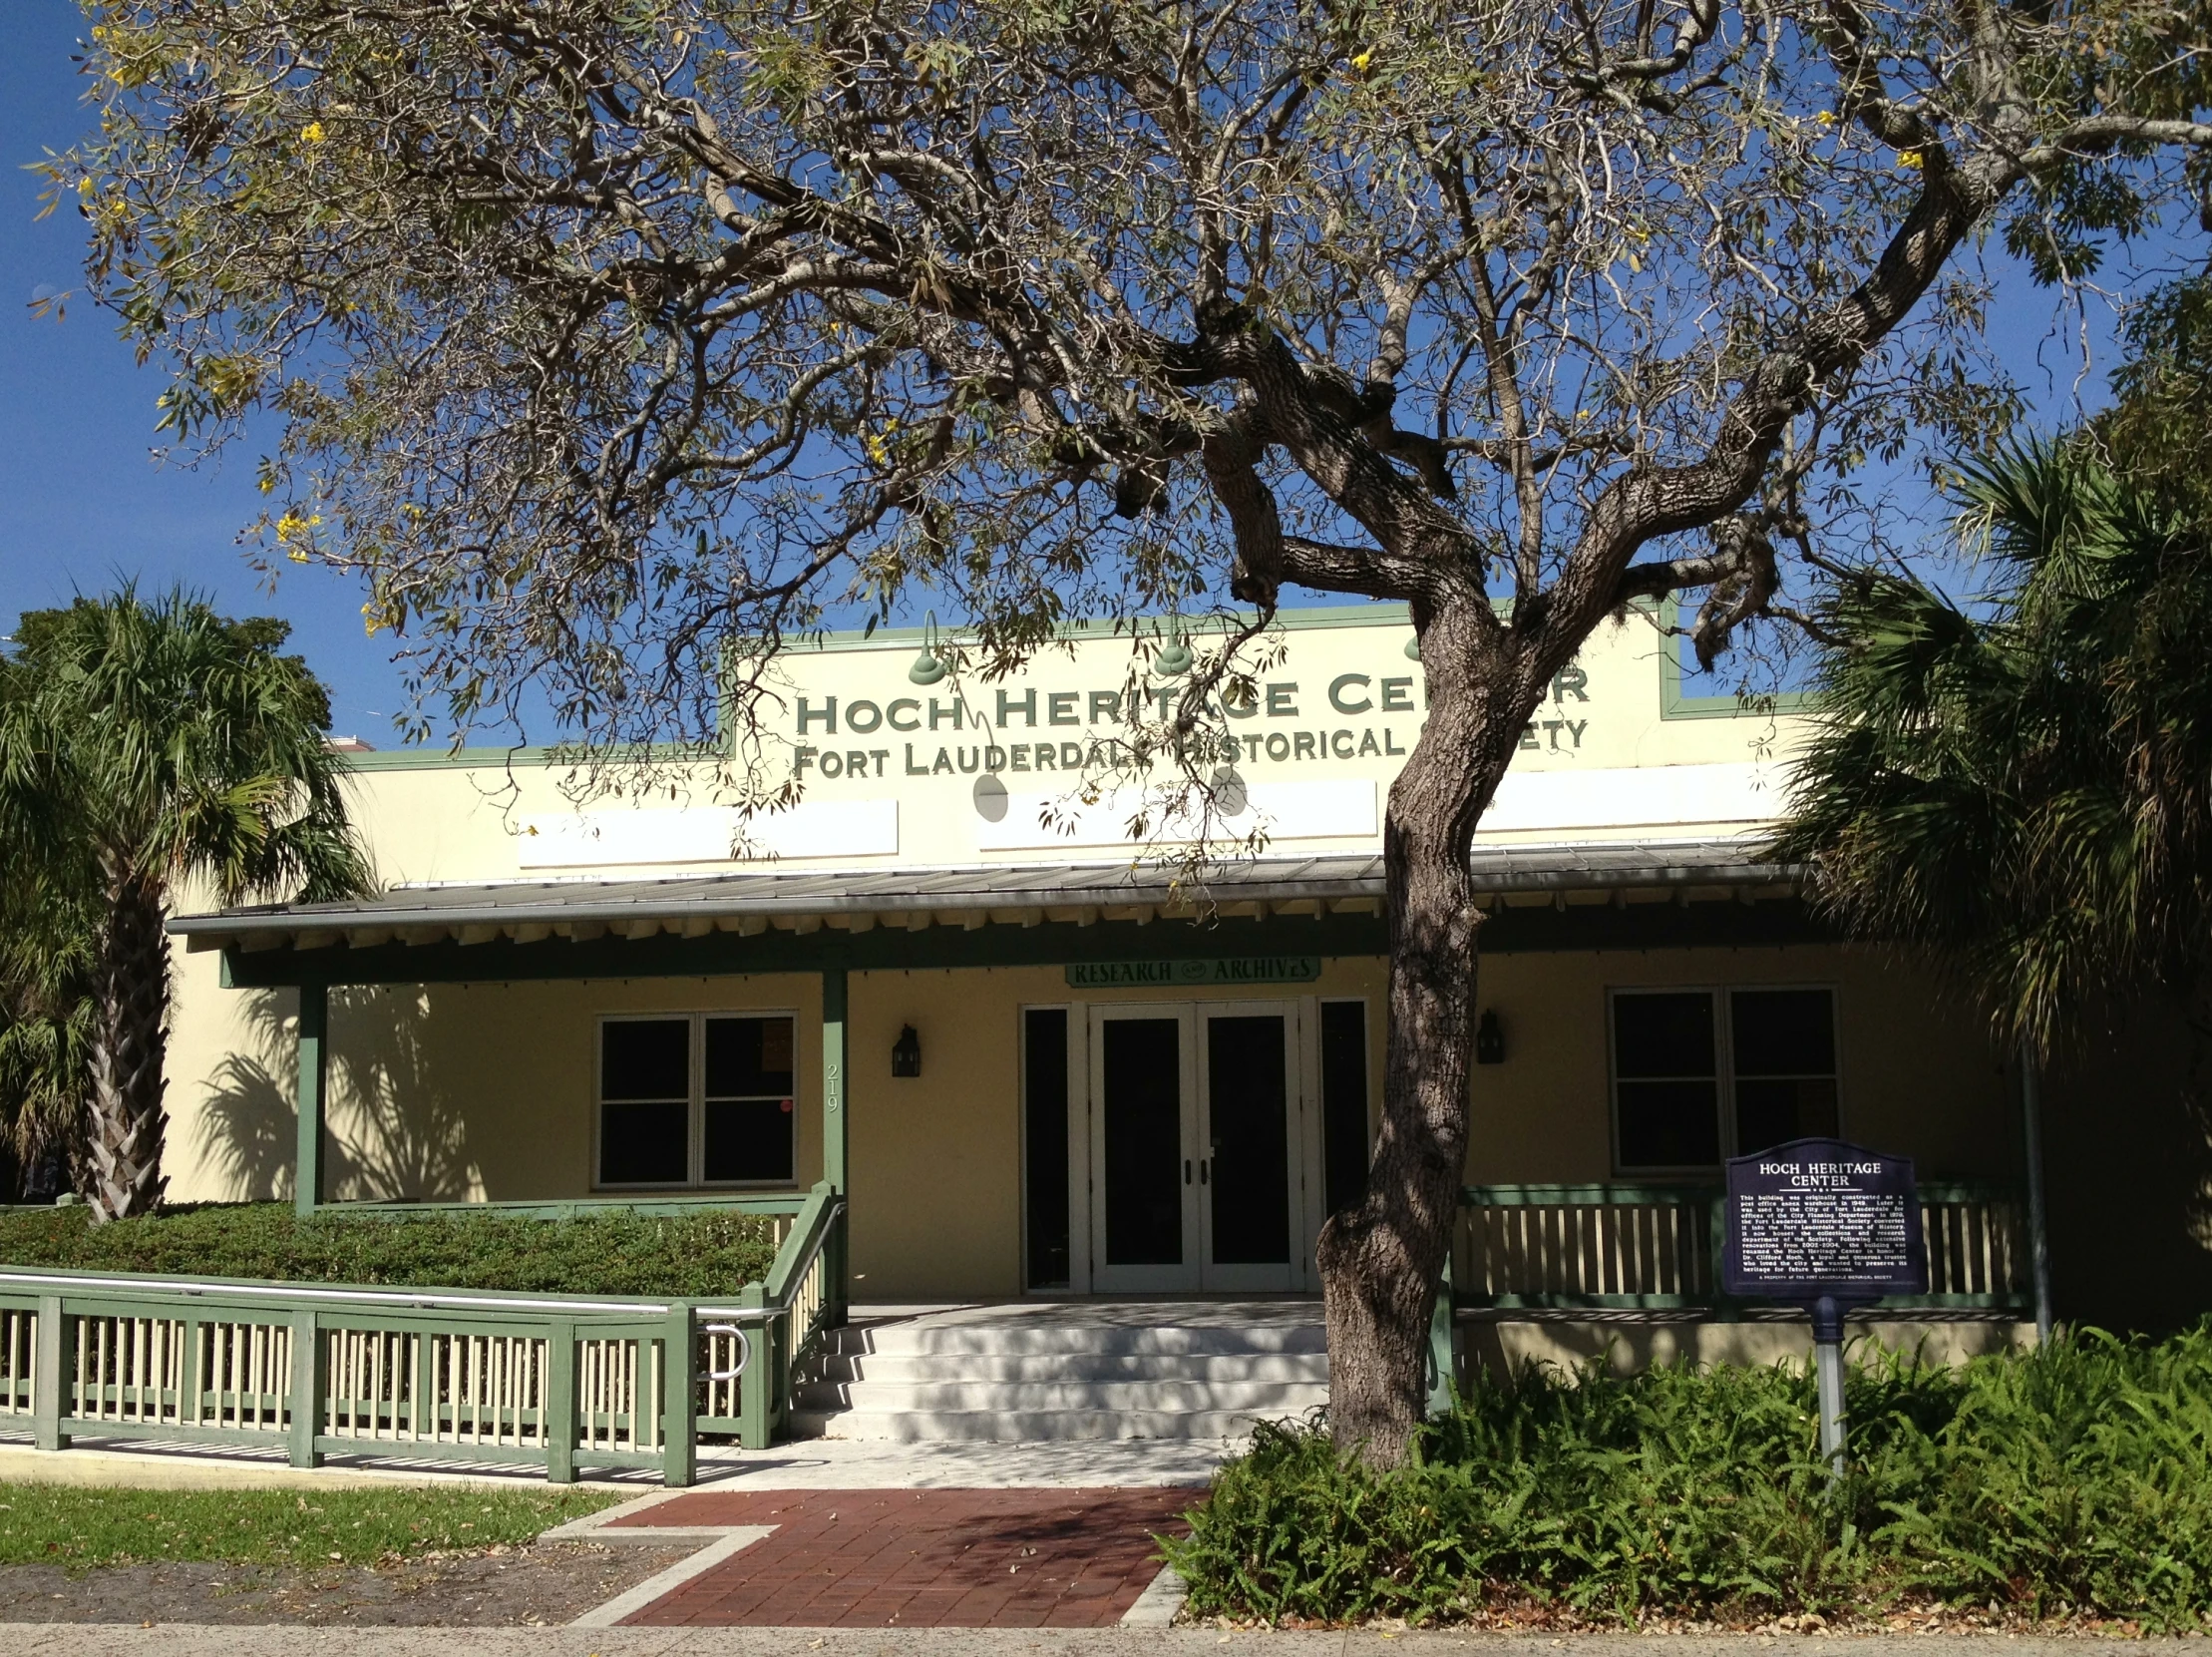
(394, 1132)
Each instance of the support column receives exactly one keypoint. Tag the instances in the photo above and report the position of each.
(2038, 1236)
(836, 1142)
(314, 1069)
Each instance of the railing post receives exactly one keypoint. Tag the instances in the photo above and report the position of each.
(1443, 1369)
(679, 1445)
(1724, 1308)
(190, 1396)
(559, 1427)
(53, 1334)
(310, 1372)
(757, 1387)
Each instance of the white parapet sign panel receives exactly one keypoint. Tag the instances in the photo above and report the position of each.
(1648, 796)
(709, 834)
(1336, 809)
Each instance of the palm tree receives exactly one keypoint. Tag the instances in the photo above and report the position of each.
(2027, 788)
(148, 746)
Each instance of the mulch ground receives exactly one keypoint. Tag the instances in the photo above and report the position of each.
(550, 1583)
(923, 1558)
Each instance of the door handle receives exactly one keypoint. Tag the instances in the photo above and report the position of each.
(1186, 1170)
(1202, 1161)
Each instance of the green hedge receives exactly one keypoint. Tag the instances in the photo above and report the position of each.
(611, 1253)
(2075, 1479)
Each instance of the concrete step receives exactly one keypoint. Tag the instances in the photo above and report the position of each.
(958, 1394)
(1014, 1340)
(872, 1367)
(1025, 1426)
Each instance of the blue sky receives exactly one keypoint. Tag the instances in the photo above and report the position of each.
(82, 502)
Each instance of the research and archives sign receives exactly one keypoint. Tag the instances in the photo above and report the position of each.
(1820, 1218)
(1184, 974)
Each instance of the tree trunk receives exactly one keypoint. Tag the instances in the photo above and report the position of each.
(1381, 1261)
(129, 1039)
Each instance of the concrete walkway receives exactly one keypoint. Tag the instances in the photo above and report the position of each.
(801, 1465)
(49, 1640)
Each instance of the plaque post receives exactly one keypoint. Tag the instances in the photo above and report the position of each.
(1828, 1377)
(1824, 1225)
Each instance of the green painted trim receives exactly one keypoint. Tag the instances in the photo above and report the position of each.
(1158, 975)
(434, 759)
(1569, 1303)
(1676, 703)
(1771, 923)
(1616, 1193)
(313, 1093)
(569, 1208)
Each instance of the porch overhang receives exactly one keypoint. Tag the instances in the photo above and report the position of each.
(1605, 895)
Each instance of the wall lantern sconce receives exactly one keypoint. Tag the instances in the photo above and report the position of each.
(905, 1054)
(1489, 1039)
(929, 668)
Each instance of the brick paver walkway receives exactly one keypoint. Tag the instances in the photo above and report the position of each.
(1020, 1558)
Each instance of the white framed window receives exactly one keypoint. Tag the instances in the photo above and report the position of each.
(696, 1100)
(1704, 1073)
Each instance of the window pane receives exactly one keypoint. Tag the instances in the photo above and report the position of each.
(1667, 1034)
(748, 1139)
(1044, 1101)
(1770, 1113)
(748, 1057)
(1670, 1125)
(1345, 1102)
(646, 1058)
(1783, 1032)
(644, 1145)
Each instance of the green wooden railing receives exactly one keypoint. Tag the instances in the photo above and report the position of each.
(781, 1206)
(559, 1381)
(1635, 1245)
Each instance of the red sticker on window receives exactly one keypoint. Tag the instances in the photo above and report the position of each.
(787, 1107)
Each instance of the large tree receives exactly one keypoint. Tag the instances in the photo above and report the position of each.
(614, 341)
(2021, 782)
(147, 746)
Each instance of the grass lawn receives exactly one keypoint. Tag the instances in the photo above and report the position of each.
(2071, 1483)
(78, 1528)
(612, 1253)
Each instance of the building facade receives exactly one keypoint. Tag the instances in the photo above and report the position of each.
(1037, 1057)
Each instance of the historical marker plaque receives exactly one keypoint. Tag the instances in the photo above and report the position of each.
(1819, 1220)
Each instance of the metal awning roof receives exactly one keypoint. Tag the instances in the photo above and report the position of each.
(1019, 894)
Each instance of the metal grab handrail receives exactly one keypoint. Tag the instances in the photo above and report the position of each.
(744, 1349)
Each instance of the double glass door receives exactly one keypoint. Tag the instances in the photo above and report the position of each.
(1195, 1146)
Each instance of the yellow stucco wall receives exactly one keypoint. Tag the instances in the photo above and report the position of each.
(486, 1091)
(437, 1093)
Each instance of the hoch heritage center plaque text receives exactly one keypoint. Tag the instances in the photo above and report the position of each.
(1821, 1218)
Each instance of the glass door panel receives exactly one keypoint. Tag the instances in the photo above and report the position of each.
(1144, 1207)
(1248, 1177)
(1249, 1141)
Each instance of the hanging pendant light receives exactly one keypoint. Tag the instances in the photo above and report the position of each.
(929, 668)
(1175, 658)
